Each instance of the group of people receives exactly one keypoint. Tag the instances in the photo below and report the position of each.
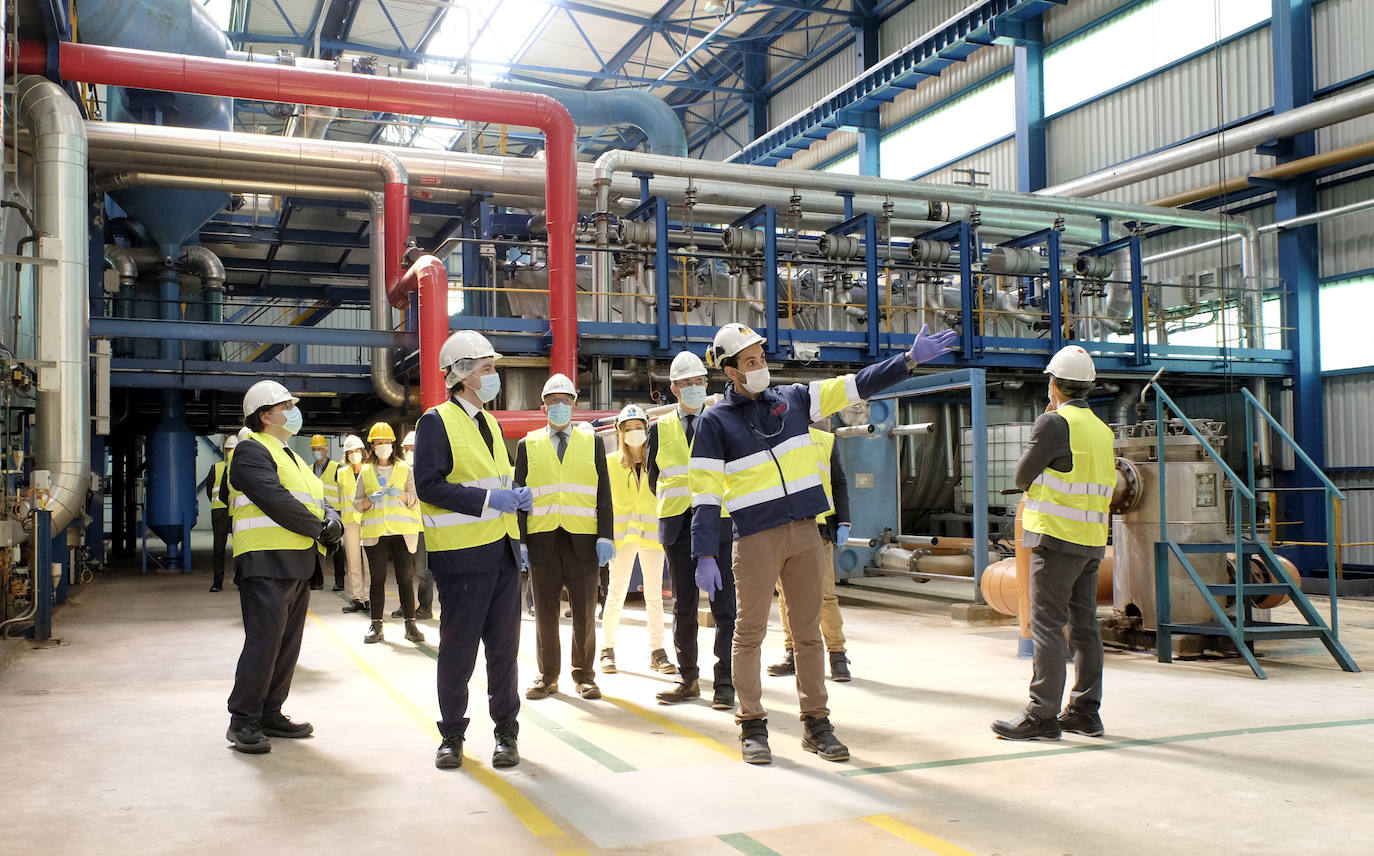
(736, 498)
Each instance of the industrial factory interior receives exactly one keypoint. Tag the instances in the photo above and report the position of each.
(759, 427)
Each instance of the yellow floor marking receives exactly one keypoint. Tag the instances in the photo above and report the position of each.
(515, 802)
(915, 836)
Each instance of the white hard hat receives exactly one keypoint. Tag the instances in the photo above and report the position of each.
(558, 383)
(265, 393)
(1072, 363)
(409, 440)
(465, 345)
(231, 442)
(730, 340)
(686, 365)
(351, 443)
(244, 433)
(629, 412)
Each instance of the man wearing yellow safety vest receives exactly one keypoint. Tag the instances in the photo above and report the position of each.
(327, 472)
(359, 585)
(670, 442)
(567, 535)
(468, 502)
(1068, 472)
(282, 524)
(754, 456)
(216, 487)
(385, 495)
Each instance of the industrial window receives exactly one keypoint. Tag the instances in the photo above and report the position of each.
(964, 125)
(1344, 310)
(500, 32)
(847, 165)
(1144, 39)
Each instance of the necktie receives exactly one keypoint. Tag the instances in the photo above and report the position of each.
(486, 432)
(561, 443)
(688, 421)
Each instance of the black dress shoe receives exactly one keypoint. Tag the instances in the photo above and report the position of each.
(216, 587)
(683, 691)
(397, 613)
(249, 739)
(1027, 727)
(723, 697)
(786, 666)
(450, 753)
(424, 613)
(1084, 722)
(337, 587)
(280, 725)
(507, 752)
(355, 605)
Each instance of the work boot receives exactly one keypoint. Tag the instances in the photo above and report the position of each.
(424, 613)
(541, 689)
(607, 662)
(507, 752)
(753, 741)
(681, 692)
(450, 753)
(280, 725)
(338, 585)
(397, 613)
(1027, 727)
(1084, 722)
(787, 666)
(249, 739)
(658, 661)
(413, 633)
(723, 697)
(374, 632)
(839, 667)
(588, 689)
(819, 737)
(355, 605)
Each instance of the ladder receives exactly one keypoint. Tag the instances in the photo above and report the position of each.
(1241, 628)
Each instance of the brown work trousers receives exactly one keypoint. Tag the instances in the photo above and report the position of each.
(832, 625)
(793, 554)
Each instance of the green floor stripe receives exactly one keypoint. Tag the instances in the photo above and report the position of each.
(1108, 746)
(747, 845)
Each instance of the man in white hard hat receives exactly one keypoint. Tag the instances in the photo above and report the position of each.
(282, 525)
(669, 448)
(568, 533)
(424, 580)
(217, 489)
(468, 504)
(1068, 472)
(754, 456)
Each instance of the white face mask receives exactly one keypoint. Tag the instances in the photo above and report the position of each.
(383, 451)
(355, 457)
(410, 457)
(321, 454)
(635, 437)
(756, 381)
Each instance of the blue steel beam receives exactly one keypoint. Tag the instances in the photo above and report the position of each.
(213, 331)
(1029, 79)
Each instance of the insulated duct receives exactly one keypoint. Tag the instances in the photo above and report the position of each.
(62, 423)
(600, 107)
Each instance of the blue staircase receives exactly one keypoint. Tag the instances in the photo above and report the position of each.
(1242, 628)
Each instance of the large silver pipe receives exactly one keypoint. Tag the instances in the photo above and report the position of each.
(1319, 114)
(1267, 229)
(204, 265)
(123, 262)
(62, 422)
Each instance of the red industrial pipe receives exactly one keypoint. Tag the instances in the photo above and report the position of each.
(429, 278)
(233, 79)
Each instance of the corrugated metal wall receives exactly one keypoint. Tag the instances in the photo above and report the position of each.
(1349, 401)
(722, 145)
(1341, 30)
(1346, 244)
(915, 21)
(999, 160)
(812, 86)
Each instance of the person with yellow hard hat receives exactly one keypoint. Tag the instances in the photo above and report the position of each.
(1068, 472)
(385, 495)
(359, 586)
(636, 537)
(282, 523)
(217, 489)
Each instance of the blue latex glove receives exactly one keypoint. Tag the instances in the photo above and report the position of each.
(605, 551)
(524, 558)
(708, 576)
(928, 347)
(377, 497)
(391, 490)
(525, 497)
(504, 501)
(841, 533)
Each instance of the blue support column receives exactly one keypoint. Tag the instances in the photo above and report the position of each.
(978, 397)
(1055, 294)
(770, 280)
(661, 284)
(1029, 76)
(871, 280)
(866, 53)
(966, 251)
(756, 80)
(1141, 346)
(42, 575)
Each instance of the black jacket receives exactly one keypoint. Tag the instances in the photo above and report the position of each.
(542, 544)
(254, 473)
(839, 489)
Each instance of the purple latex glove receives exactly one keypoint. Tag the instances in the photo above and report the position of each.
(708, 576)
(928, 347)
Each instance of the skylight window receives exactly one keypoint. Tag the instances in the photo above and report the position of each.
(501, 32)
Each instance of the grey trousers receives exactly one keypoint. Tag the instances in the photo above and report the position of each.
(1063, 589)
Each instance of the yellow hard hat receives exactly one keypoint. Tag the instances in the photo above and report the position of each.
(319, 442)
(381, 431)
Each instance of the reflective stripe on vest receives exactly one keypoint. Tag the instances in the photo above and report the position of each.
(347, 482)
(253, 529)
(1075, 506)
(674, 493)
(229, 468)
(787, 468)
(390, 516)
(636, 514)
(217, 475)
(564, 491)
(472, 467)
(825, 446)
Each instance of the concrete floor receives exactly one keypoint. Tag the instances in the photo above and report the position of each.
(113, 743)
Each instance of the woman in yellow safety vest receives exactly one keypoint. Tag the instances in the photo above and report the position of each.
(347, 478)
(636, 537)
(385, 495)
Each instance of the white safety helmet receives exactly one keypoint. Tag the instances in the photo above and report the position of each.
(686, 366)
(244, 433)
(409, 440)
(265, 393)
(1072, 363)
(558, 383)
(351, 443)
(231, 442)
(461, 351)
(729, 341)
(630, 412)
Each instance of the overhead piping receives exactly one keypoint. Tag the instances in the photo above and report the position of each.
(600, 107)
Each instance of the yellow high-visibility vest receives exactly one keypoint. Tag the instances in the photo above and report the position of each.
(253, 529)
(390, 516)
(825, 445)
(228, 472)
(1075, 506)
(636, 514)
(217, 475)
(673, 494)
(450, 530)
(564, 491)
(347, 482)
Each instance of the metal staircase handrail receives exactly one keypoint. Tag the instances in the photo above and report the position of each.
(1236, 481)
(1253, 403)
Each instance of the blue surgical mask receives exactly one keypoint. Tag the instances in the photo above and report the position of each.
(491, 386)
(693, 397)
(294, 420)
(560, 414)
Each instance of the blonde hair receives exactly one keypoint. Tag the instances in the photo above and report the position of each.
(642, 453)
